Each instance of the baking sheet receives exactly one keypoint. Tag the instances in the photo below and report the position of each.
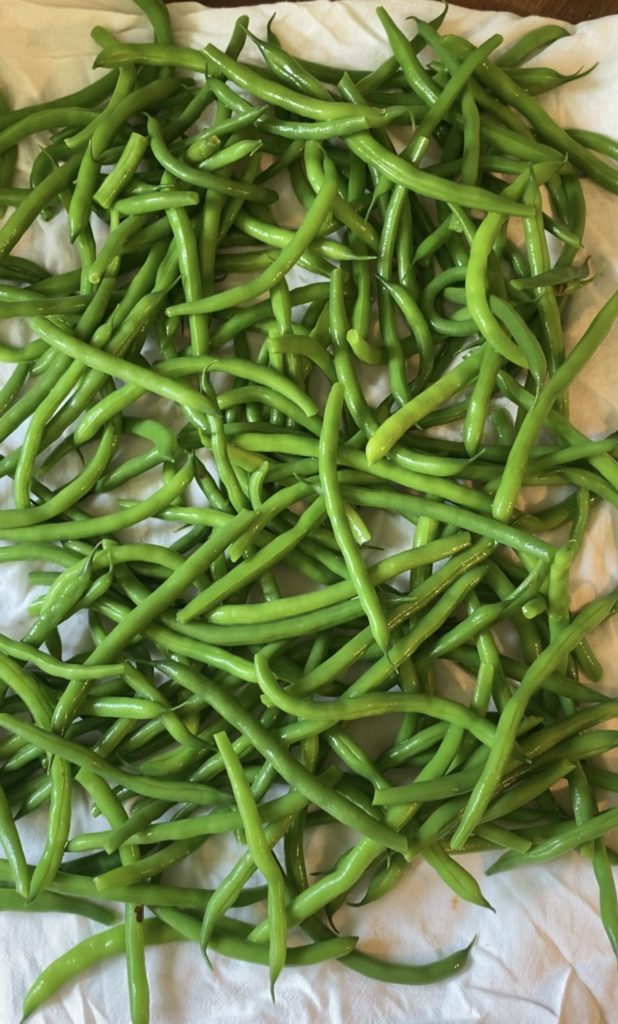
(543, 956)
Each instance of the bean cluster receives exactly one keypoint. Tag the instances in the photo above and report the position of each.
(381, 365)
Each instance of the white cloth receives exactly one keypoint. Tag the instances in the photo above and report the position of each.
(543, 957)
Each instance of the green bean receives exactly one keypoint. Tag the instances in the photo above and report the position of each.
(65, 497)
(476, 275)
(506, 90)
(333, 501)
(523, 336)
(568, 837)
(280, 265)
(287, 767)
(155, 200)
(60, 670)
(595, 140)
(362, 707)
(398, 171)
(86, 527)
(251, 372)
(512, 143)
(407, 974)
(355, 862)
(56, 904)
(593, 613)
(11, 844)
(24, 215)
(126, 166)
(241, 949)
(482, 617)
(457, 83)
(456, 877)
(139, 998)
(215, 822)
(149, 609)
(159, 17)
(153, 864)
(248, 571)
(58, 828)
(86, 183)
(79, 755)
(303, 604)
(530, 44)
(508, 489)
(605, 466)
(425, 593)
(417, 324)
(394, 428)
(412, 507)
(112, 365)
(89, 96)
(201, 178)
(19, 302)
(59, 602)
(227, 893)
(150, 55)
(338, 127)
(258, 85)
(25, 686)
(539, 260)
(262, 856)
(585, 808)
(85, 954)
(136, 101)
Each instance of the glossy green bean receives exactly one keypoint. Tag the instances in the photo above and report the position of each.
(246, 572)
(262, 856)
(202, 179)
(394, 428)
(508, 489)
(11, 844)
(58, 828)
(288, 768)
(595, 612)
(348, 709)
(280, 265)
(568, 837)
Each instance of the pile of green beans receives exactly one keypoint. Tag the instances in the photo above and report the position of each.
(400, 390)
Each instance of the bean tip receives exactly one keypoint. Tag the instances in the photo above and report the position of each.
(373, 452)
(460, 836)
(498, 866)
